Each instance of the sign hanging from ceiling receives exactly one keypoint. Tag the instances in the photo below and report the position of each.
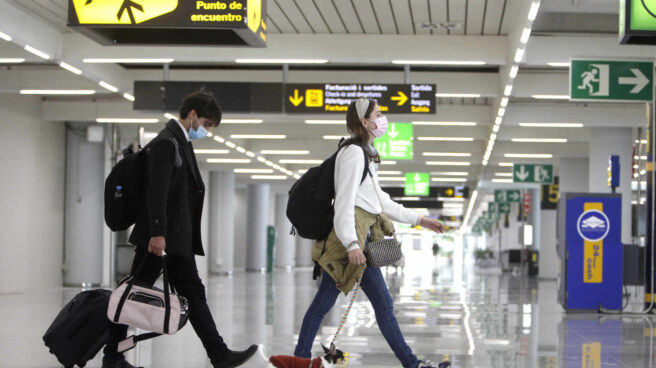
(417, 184)
(396, 144)
(611, 80)
(334, 98)
(638, 22)
(533, 173)
(179, 22)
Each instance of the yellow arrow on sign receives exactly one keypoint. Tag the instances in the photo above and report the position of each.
(401, 98)
(296, 99)
(121, 11)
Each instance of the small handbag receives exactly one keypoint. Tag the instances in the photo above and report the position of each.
(384, 252)
(141, 305)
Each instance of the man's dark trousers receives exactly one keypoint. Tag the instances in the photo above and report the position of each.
(183, 275)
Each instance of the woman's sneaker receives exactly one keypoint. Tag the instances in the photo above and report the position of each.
(429, 364)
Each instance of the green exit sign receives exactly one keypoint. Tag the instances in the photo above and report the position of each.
(396, 144)
(611, 80)
(417, 184)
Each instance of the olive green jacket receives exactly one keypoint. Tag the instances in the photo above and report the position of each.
(331, 254)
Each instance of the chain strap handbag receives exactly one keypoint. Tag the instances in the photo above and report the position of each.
(384, 252)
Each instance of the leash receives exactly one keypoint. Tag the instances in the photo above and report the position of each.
(356, 288)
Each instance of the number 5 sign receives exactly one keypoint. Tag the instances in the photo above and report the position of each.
(550, 196)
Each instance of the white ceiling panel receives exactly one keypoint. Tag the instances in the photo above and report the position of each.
(458, 14)
(293, 14)
(511, 16)
(494, 12)
(330, 14)
(475, 15)
(367, 16)
(385, 17)
(346, 10)
(420, 14)
(404, 20)
(312, 14)
(439, 14)
(279, 19)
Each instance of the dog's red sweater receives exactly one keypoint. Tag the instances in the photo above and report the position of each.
(283, 361)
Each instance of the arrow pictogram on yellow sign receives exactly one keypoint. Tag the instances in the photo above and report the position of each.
(121, 11)
(296, 99)
(401, 98)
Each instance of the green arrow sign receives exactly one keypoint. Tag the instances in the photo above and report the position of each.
(417, 184)
(606, 80)
(533, 173)
(504, 208)
(506, 196)
(396, 144)
(493, 208)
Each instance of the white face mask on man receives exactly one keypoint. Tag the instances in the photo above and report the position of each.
(199, 133)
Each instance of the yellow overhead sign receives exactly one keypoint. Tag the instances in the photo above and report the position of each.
(121, 11)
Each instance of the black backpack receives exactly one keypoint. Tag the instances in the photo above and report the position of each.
(310, 205)
(125, 188)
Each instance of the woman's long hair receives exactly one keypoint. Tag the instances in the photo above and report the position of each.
(359, 132)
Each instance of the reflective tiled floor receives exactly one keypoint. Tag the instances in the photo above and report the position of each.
(473, 319)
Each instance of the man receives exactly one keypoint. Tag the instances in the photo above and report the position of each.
(170, 223)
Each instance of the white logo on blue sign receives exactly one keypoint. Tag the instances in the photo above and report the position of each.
(593, 225)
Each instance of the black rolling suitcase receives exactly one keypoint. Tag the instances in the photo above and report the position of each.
(80, 329)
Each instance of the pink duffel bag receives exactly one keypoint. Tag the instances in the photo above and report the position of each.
(138, 304)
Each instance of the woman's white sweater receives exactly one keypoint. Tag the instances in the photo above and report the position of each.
(349, 193)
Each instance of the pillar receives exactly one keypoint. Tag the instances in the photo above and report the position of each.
(605, 142)
(304, 252)
(257, 222)
(222, 222)
(83, 234)
(574, 174)
(285, 243)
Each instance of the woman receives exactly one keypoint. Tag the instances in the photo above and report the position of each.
(361, 210)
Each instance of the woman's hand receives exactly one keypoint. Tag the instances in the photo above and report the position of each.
(357, 257)
(432, 224)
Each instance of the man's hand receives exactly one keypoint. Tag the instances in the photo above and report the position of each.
(157, 245)
(432, 224)
(357, 257)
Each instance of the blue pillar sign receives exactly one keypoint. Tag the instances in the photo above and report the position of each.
(594, 252)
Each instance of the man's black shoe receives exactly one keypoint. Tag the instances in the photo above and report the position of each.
(235, 358)
(117, 364)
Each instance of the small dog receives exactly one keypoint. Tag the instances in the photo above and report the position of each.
(333, 358)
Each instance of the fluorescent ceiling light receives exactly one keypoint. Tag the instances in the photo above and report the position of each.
(242, 121)
(70, 68)
(539, 140)
(445, 123)
(508, 90)
(258, 136)
(127, 121)
(450, 173)
(128, 97)
(108, 86)
(452, 180)
(437, 62)
(448, 163)
(550, 97)
(281, 61)
(506, 164)
(388, 162)
(392, 178)
(276, 166)
(5, 36)
(446, 154)
(228, 161)
(334, 137)
(533, 12)
(458, 95)
(241, 150)
(36, 52)
(450, 199)
(218, 139)
(446, 139)
(302, 171)
(211, 151)
(559, 64)
(503, 174)
(326, 122)
(253, 171)
(453, 205)
(285, 152)
(498, 120)
(493, 137)
(388, 172)
(230, 144)
(301, 162)
(171, 116)
(502, 112)
(250, 154)
(268, 177)
(57, 92)
(11, 60)
(407, 198)
(262, 159)
(496, 128)
(528, 155)
(519, 55)
(513, 71)
(296, 176)
(504, 102)
(502, 180)
(526, 34)
(643, 141)
(551, 125)
(128, 60)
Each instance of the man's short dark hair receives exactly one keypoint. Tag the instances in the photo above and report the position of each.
(205, 105)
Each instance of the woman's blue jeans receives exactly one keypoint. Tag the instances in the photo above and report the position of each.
(373, 285)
